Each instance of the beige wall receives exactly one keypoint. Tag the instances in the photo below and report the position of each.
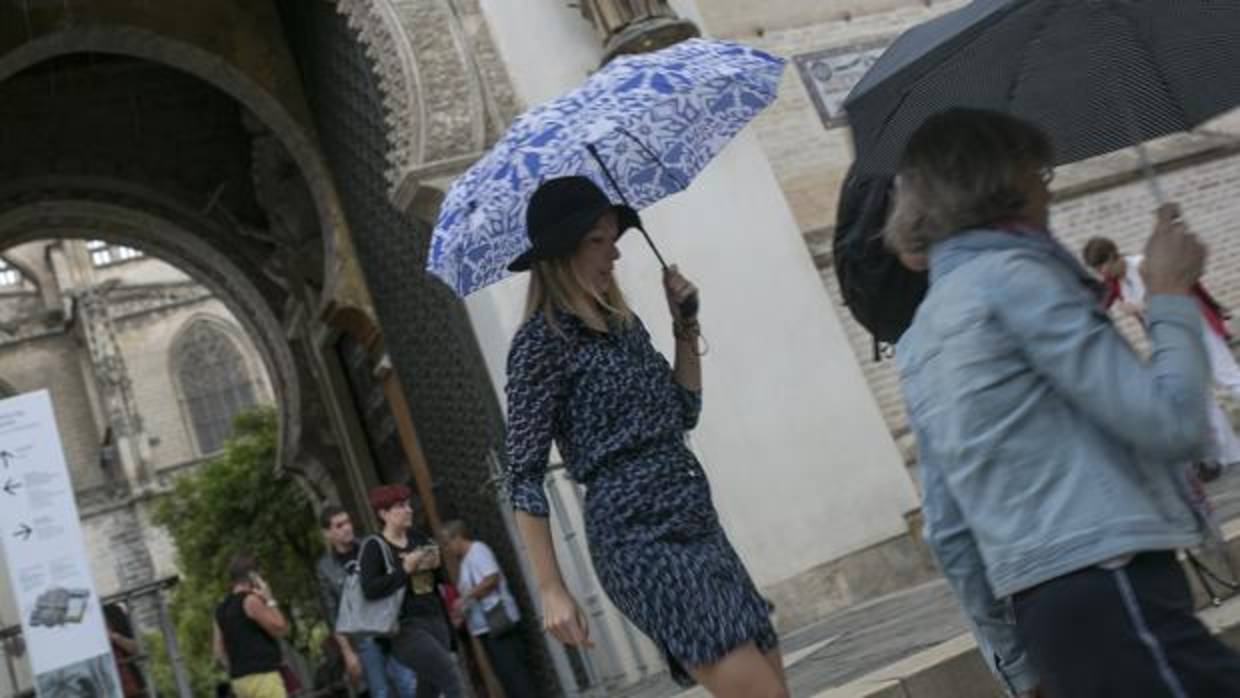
(53, 362)
(745, 18)
(810, 160)
(144, 270)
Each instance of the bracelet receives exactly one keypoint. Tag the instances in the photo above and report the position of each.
(687, 331)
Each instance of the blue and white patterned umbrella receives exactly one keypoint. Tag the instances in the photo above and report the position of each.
(654, 119)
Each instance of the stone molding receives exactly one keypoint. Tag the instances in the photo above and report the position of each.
(446, 94)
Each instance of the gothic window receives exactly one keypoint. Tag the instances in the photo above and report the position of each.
(215, 384)
(102, 253)
(9, 276)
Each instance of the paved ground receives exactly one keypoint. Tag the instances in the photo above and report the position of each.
(856, 641)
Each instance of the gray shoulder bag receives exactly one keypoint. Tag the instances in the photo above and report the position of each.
(359, 615)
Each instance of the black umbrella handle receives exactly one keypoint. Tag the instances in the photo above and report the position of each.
(689, 306)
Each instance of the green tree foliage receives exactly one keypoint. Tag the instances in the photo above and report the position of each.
(237, 503)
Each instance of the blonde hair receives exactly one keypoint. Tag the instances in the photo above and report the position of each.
(556, 286)
(961, 169)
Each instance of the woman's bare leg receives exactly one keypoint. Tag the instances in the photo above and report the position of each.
(745, 672)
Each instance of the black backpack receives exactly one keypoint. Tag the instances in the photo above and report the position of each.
(880, 292)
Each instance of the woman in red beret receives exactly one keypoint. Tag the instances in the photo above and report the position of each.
(403, 558)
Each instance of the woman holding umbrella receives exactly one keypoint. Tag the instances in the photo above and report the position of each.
(583, 373)
(1051, 454)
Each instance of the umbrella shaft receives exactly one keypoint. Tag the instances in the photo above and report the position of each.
(624, 200)
(1151, 177)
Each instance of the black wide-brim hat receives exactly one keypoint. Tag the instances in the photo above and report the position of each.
(561, 212)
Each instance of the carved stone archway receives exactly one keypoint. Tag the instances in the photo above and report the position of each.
(343, 285)
(445, 91)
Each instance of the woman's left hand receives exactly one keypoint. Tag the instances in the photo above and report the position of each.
(678, 289)
(431, 560)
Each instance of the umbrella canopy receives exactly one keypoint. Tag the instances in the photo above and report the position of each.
(1097, 75)
(641, 128)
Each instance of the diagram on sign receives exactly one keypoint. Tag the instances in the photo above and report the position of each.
(58, 606)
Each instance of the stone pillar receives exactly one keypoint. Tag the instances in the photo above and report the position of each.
(114, 383)
(132, 561)
(636, 26)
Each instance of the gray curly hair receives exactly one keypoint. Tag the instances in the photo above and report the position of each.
(961, 169)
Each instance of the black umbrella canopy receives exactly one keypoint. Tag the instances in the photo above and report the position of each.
(1097, 75)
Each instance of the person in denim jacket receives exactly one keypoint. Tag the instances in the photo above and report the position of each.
(1052, 455)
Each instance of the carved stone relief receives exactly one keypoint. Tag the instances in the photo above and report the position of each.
(445, 91)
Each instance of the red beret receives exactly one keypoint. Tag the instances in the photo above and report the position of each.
(387, 496)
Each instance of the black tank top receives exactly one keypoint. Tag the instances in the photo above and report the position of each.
(250, 649)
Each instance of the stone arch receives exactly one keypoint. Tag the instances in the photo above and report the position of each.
(180, 240)
(214, 70)
(225, 356)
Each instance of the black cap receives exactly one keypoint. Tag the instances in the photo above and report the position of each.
(561, 212)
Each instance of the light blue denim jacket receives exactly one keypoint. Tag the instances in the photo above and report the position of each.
(1046, 444)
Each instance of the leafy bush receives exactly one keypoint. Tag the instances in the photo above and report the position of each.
(235, 503)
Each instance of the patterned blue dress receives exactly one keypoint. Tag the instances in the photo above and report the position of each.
(610, 403)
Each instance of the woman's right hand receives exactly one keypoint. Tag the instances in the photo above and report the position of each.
(564, 619)
(411, 561)
(1174, 257)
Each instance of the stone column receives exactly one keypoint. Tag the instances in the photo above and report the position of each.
(115, 385)
(635, 26)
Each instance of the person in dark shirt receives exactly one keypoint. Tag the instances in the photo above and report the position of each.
(248, 628)
(361, 655)
(404, 558)
(125, 650)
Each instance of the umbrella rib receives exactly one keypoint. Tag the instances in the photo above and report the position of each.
(1051, 9)
(1155, 64)
(653, 156)
(972, 34)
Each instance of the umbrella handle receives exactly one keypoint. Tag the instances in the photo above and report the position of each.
(689, 306)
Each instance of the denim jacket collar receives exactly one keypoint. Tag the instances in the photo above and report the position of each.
(949, 254)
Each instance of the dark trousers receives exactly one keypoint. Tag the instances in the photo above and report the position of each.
(507, 656)
(1127, 632)
(423, 645)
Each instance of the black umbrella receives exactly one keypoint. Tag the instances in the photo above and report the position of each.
(1097, 75)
